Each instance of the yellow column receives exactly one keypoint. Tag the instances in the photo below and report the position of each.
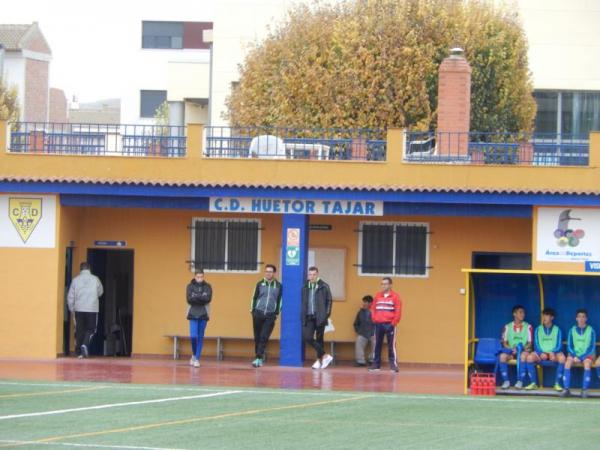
(395, 145)
(3, 135)
(594, 149)
(195, 132)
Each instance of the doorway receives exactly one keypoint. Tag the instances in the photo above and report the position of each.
(114, 268)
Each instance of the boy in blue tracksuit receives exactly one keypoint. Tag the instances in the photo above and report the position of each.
(581, 346)
(547, 344)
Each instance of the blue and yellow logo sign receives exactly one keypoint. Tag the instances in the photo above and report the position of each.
(25, 214)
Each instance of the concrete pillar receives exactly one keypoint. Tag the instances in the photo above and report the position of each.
(293, 274)
(454, 105)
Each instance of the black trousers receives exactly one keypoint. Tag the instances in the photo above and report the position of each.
(85, 328)
(313, 335)
(388, 331)
(263, 327)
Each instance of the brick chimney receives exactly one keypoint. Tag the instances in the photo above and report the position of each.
(454, 105)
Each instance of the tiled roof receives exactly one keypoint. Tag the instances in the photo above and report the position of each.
(11, 35)
(323, 186)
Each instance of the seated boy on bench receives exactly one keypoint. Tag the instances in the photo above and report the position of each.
(547, 344)
(581, 343)
(516, 343)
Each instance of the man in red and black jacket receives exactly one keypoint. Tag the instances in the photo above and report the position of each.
(386, 311)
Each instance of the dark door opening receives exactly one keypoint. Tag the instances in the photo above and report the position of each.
(66, 314)
(115, 318)
(499, 260)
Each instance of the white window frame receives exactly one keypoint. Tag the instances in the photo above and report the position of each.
(394, 275)
(220, 219)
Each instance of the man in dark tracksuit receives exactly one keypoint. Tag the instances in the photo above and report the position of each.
(266, 306)
(316, 309)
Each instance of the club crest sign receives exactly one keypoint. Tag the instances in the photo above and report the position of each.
(25, 214)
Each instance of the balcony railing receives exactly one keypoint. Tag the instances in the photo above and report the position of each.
(497, 148)
(293, 143)
(97, 139)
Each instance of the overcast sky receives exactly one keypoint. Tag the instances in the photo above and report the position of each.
(92, 42)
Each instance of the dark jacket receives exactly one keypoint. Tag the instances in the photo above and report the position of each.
(363, 325)
(323, 302)
(267, 297)
(198, 296)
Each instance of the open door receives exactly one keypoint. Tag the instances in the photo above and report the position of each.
(115, 317)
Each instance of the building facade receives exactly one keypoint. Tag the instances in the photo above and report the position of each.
(171, 65)
(27, 57)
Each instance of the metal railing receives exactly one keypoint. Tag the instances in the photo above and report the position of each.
(296, 143)
(97, 139)
(538, 149)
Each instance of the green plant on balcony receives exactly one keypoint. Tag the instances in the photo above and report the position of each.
(160, 143)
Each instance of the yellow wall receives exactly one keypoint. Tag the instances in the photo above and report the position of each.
(391, 173)
(162, 242)
(28, 301)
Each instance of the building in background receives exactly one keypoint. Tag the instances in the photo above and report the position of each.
(566, 75)
(57, 112)
(101, 112)
(27, 57)
(172, 65)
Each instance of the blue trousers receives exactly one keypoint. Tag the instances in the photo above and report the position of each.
(197, 327)
(388, 331)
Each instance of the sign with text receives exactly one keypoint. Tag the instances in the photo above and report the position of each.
(28, 221)
(292, 247)
(568, 234)
(110, 243)
(299, 206)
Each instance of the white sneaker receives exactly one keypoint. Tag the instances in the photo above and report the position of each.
(192, 360)
(196, 363)
(326, 361)
(317, 364)
(505, 385)
(519, 385)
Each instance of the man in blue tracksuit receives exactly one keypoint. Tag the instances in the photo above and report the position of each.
(266, 306)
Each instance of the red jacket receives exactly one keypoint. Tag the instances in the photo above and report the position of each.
(386, 309)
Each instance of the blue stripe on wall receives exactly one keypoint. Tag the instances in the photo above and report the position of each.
(128, 201)
(459, 209)
(402, 196)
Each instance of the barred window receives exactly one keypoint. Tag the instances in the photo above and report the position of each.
(393, 248)
(225, 245)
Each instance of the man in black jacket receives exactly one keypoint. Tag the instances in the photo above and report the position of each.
(266, 306)
(198, 296)
(316, 309)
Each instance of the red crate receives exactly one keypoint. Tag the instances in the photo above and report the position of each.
(483, 383)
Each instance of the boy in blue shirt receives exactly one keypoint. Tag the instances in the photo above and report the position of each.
(581, 348)
(547, 344)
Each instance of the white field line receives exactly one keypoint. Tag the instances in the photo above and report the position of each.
(73, 444)
(391, 395)
(116, 405)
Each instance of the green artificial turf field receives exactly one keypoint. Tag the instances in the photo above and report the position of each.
(103, 415)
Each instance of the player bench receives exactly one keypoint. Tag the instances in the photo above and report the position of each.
(220, 343)
(486, 353)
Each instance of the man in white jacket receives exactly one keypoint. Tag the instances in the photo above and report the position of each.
(83, 300)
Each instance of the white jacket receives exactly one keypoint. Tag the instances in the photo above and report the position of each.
(84, 293)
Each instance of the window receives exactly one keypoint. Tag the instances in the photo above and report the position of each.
(162, 34)
(226, 245)
(150, 102)
(175, 35)
(393, 248)
(572, 113)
